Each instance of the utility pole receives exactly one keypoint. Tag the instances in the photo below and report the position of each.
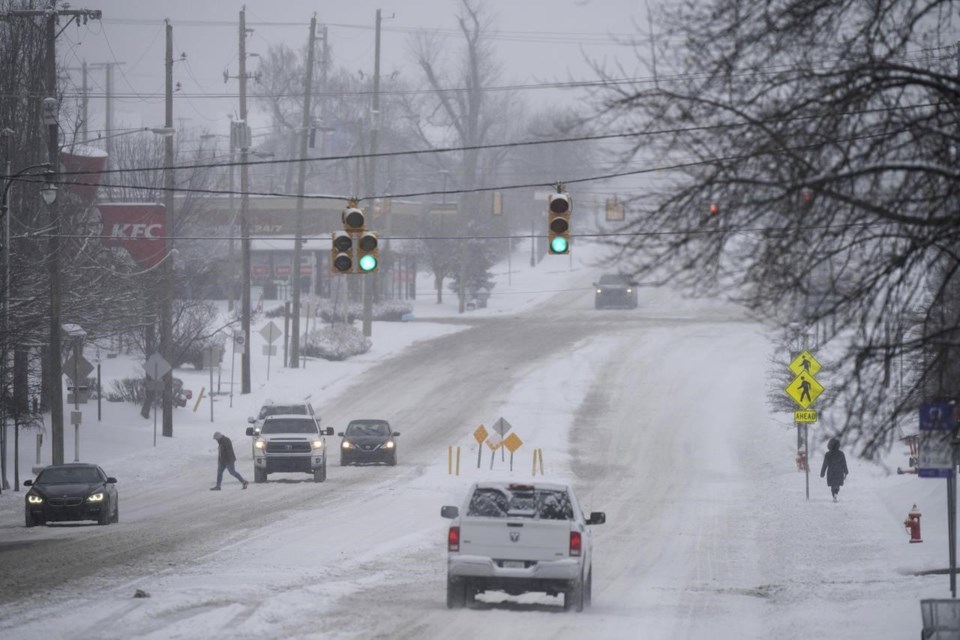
(50, 113)
(372, 171)
(294, 361)
(244, 212)
(166, 302)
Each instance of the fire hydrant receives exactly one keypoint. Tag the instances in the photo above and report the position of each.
(912, 523)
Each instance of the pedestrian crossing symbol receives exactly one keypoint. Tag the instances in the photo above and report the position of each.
(804, 390)
(805, 363)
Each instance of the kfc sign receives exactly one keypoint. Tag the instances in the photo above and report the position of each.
(138, 228)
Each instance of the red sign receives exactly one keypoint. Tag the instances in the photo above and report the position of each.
(75, 164)
(281, 269)
(138, 228)
(306, 271)
(260, 269)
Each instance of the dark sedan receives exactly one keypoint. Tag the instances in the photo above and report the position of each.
(615, 291)
(75, 491)
(368, 441)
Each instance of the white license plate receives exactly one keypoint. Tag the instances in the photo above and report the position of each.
(513, 564)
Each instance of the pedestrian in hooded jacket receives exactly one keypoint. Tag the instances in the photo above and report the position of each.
(834, 467)
(226, 460)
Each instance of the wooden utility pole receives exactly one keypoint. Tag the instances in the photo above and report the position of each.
(372, 171)
(294, 361)
(166, 296)
(244, 212)
(51, 107)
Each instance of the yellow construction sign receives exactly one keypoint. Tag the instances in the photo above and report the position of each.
(805, 416)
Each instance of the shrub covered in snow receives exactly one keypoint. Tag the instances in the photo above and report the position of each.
(386, 310)
(336, 342)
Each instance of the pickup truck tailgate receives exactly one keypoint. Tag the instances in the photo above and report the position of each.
(515, 538)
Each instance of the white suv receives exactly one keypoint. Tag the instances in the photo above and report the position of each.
(272, 408)
(290, 443)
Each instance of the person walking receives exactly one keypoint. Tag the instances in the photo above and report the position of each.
(226, 460)
(834, 467)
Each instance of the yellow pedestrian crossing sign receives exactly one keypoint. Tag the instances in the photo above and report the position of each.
(804, 390)
(805, 363)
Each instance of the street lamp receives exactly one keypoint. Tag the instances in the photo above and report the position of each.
(49, 193)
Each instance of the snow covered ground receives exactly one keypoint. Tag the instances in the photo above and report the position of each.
(709, 533)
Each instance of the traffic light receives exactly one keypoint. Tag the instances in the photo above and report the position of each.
(341, 255)
(353, 219)
(368, 254)
(558, 223)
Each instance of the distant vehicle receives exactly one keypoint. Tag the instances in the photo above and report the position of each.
(70, 492)
(272, 408)
(368, 441)
(614, 290)
(290, 443)
(520, 538)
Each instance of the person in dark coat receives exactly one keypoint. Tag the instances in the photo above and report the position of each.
(226, 460)
(834, 467)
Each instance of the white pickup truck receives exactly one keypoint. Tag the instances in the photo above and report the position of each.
(520, 538)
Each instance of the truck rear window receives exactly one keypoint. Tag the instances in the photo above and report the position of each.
(496, 502)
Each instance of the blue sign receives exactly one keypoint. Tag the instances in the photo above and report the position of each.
(937, 416)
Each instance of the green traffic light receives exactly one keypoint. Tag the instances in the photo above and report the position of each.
(559, 245)
(368, 263)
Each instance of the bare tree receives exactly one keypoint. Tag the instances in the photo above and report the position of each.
(812, 157)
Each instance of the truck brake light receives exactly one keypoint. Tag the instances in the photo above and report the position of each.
(576, 543)
(453, 539)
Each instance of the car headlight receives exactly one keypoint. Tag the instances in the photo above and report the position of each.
(346, 444)
(260, 444)
(33, 498)
(95, 497)
(388, 445)
(317, 444)
(629, 290)
(599, 290)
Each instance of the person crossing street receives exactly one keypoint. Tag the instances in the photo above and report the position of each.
(226, 459)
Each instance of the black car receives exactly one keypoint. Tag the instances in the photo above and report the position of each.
(74, 491)
(614, 290)
(368, 441)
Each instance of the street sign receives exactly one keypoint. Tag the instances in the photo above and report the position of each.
(494, 442)
(480, 434)
(805, 416)
(271, 332)
(512, 442)
(239, 343)
(501, 426)
(936, 455)
(804, 390)
(937, 416)
(805, 363)
(156, 366)
(82, 368)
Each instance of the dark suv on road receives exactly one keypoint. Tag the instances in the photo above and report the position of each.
(614, 290)
(368, 441)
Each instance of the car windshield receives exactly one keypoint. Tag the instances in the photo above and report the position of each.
(610, 279)
(368, 429)
(287, 409)
(69, 475)
(292, 425)
(528, 502)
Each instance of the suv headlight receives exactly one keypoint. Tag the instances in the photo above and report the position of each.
(95, 497)
(388, 444)
(260, 444)
(317, 444)
(346, 444)
(33, 498)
